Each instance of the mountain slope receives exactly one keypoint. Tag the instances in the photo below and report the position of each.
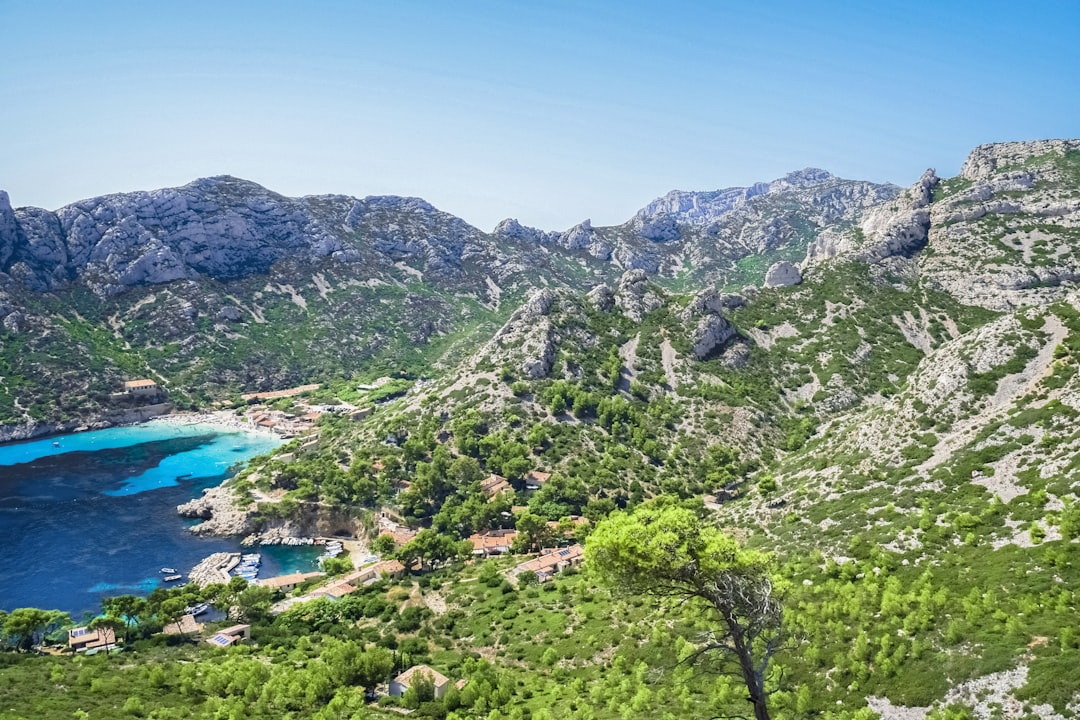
(222, 286)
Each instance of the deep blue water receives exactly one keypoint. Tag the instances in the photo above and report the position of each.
(96, 516)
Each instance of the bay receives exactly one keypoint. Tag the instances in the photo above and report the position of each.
(93, 514)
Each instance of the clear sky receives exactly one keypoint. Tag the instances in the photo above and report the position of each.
(550, 112)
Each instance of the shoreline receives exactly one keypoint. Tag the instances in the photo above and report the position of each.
(227, 419)
(220, 419)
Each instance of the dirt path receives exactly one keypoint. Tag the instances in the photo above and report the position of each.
(628, 355)
(1010, 389)
(668, 355)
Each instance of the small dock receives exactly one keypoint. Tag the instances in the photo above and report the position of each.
(214, 569)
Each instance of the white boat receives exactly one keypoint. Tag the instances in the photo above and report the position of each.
(198, 609)
(172, 578)
(169, 571)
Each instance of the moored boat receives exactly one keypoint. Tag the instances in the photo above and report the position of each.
(172, 578)
(198, 609)
(168, 570)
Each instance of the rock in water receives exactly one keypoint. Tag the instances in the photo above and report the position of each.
(782, 274)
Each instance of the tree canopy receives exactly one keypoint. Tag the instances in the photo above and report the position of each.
(666, 549)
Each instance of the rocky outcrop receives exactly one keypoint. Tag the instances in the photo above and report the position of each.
(634, 296)
(1002, 234)
(898, 228)
(782, 274)
(602, 298)
(219, 513)
(511, 228)
(32, 429)
(711, 332)
(528, 336)
(9, 230)
(987, 161)
(221, 228)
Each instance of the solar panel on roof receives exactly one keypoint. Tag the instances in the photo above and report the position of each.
(79, 632)
(220, 640)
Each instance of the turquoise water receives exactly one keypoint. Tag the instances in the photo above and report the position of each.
(93, 514)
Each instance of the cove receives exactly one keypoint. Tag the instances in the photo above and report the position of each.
(93, 514)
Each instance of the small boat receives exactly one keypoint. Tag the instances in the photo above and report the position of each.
(56, 443)
(198, 609)
(172, 578)
(169, 571)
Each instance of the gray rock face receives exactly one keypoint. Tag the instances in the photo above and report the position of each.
(222, 228)
(898, 228)
(229, 313)
(712, 331)
(702, 208)
(782, 274)
(634, 297)
(602, 298)
(707, 301)
(660, 228)
(9, 230)
(528, 337)
(511, 228)
(985, 161)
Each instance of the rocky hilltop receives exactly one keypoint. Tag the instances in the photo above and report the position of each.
(223, 286)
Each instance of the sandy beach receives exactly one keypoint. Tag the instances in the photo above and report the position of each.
(216, 418)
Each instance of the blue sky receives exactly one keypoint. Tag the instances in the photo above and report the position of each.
(550, 112)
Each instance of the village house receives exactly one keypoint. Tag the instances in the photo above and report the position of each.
(493, 485)
(496, 542)
(83, 638)
(401, 684)
(335, 591)
(142, 388)
(186, 625)
(535, 479)
(139, 390)
(400, 534)
(550, 562)
(359, 578)
(576, 521)
(288, 583)
(230, 636)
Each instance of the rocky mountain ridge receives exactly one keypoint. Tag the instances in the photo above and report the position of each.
(224, 286)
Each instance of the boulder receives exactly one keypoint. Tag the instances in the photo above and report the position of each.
(782, 274)
(602, 298)
(711, 332)
(634, 297)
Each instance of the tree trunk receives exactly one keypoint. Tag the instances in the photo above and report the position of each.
(754, 681)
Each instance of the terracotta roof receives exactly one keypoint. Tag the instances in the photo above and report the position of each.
(186, 625)
(140, 383)
(499, 541)
(291, 579)
(388, 566)
(494, 484)
(436, 677)
(552, 559)
(338, 590)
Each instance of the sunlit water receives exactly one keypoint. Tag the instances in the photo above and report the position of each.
(93, 514)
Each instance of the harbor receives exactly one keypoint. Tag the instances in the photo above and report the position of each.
(305, 555)
(109, 498)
